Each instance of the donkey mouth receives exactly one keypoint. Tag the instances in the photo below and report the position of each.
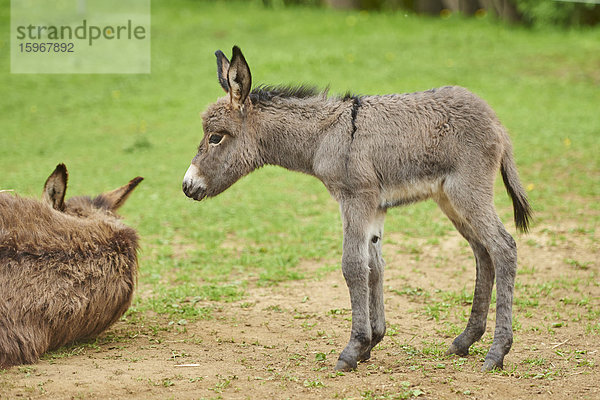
(194, 184)
(193, 192)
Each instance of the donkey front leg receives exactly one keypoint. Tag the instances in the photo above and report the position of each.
(355, 267)
(376, 268)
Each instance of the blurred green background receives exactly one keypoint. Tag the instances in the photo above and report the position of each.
(543, 82)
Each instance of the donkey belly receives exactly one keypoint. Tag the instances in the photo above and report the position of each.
(410, 192)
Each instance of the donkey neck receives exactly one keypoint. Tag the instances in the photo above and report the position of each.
(293, 129)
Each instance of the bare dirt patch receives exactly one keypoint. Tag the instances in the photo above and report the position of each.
(282, 341)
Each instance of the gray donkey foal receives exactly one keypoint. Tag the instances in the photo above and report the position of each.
(372, 153)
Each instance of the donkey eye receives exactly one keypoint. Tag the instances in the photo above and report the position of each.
(215, 138)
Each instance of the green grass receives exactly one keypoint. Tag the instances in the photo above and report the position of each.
(544, 85)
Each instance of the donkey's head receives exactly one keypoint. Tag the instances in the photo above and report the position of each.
(228, 150)
(105, 203)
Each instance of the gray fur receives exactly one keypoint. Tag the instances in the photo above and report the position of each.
(372, 153)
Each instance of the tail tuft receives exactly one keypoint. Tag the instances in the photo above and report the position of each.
(522, 209)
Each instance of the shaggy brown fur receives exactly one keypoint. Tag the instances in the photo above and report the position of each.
(67, 269)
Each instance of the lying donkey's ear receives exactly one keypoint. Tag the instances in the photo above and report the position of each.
(239, 79)
(56, 187)
(222, 69)
(114, 199)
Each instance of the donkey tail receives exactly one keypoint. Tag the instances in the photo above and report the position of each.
(521, 207)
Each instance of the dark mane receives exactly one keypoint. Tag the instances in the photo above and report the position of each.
(266, 93)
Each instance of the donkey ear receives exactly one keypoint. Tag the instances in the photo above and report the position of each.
(222, 69)
(56, 187)
(239, 78)
(114, 199)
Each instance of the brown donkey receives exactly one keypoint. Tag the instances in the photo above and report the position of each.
(372, 153)
(67, 268)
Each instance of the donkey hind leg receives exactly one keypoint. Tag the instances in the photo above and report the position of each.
(477, 211)
(376, 267)
(355, 267)
(484, 282)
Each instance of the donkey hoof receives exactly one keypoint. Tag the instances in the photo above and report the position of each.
(454, 349)
(490, 365)
(365, 356)
(345, 366)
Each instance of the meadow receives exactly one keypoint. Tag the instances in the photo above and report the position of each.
(246, 288)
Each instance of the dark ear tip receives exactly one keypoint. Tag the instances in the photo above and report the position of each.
(236, 50)
(135, 181)
(219, 53)
(61, 169)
